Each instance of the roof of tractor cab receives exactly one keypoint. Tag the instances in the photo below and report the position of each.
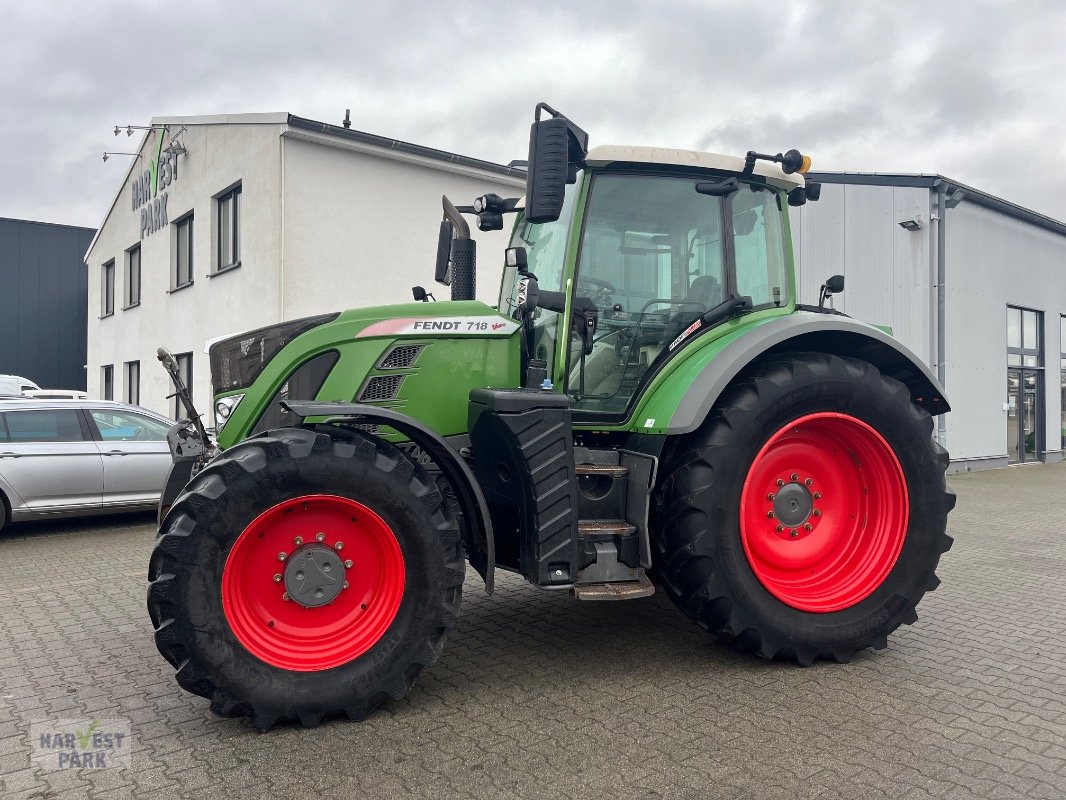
(669, 156)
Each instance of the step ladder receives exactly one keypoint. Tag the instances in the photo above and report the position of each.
(608, 577)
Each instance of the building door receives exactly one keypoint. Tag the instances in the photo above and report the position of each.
(1023, 415)
(1025, 385)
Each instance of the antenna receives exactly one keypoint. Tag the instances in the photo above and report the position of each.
(347, 118)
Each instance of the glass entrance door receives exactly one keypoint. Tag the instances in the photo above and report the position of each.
(1023, 415)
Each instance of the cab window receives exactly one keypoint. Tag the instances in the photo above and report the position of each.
(655, 256)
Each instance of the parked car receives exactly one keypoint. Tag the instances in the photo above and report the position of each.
(79, 457)
(16, 385)
(56, 394)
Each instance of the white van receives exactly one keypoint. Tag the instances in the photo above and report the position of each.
(16, 385)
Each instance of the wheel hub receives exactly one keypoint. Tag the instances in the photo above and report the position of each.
(314, 575)
(824, 511)
(793, 504)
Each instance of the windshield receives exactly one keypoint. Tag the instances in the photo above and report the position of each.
(655, 256)
(545, 244)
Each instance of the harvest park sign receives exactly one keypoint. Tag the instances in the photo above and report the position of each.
(148, 188)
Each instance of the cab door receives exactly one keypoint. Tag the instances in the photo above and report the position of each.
(48, 458)
(135, 455)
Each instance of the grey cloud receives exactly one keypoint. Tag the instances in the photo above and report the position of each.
(971, 90)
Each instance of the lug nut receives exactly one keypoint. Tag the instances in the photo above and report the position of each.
(771, 497)
(780, 528)
(795, 477)
(807, 481)
(345, 585)
(348, 564)
(282, 556)
(794, 532)
(817, 512)
(780, 482)
(770, 514)
(339, 545)
(299, 540)
(286, 596)
(807, 526)
(277, 578)
(320, 537)
(817, 495)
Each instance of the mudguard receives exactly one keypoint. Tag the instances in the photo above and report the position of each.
(481, 547)
(804, 330)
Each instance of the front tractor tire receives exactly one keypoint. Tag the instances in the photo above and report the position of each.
(806, 517)
(304, 574)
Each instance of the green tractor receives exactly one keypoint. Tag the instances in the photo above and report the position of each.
(648, 407)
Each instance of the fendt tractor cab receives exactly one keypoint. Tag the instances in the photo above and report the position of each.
(648, 407)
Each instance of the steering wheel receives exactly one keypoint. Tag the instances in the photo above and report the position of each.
(601, 289)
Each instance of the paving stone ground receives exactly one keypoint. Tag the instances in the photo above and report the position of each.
(537, 695)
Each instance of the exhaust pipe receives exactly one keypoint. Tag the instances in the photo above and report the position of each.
(462, 257)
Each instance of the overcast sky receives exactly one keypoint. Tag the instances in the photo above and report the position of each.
(975, 91)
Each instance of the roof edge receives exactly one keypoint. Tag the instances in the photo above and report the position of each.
(404, 147)
(49, 224)
(262, 118)
(926, 181)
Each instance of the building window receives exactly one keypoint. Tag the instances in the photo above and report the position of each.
(1025, 384)
(107, 382)
(183, 263)
(133, 382)
(107, 289)
(133, 276)
(185, 373)
(228, 223)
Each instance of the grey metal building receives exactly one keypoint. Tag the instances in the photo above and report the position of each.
(974, 284)
(43, 302)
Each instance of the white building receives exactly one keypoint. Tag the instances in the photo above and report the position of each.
(257, 218)
(973, 284)
(228, 223)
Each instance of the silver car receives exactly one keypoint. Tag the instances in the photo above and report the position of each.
(79, 457)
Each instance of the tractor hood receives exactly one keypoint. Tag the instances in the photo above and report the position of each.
(421, 359)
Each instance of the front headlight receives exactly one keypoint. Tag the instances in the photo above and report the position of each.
(223, 408)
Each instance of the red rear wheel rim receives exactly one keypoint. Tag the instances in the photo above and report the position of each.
(292, 636)
(824, 512)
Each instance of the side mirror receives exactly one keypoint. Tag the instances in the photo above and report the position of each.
(834, 285)
(556, 147)
(518, 258)
(797, 196)
(443, 274)
(421, 295)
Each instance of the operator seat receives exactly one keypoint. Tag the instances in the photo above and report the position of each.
(705, 290)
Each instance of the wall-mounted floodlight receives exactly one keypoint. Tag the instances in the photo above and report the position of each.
(912, 224)
(129, 129)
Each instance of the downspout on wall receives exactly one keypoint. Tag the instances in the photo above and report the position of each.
(941, 189)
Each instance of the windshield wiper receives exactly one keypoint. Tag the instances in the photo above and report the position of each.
(729, 307)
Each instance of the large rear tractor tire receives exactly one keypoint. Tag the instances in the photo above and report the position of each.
(806, 517)
(304, 574)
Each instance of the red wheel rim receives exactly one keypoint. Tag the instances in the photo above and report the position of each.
(292, 636)
(823, 512)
